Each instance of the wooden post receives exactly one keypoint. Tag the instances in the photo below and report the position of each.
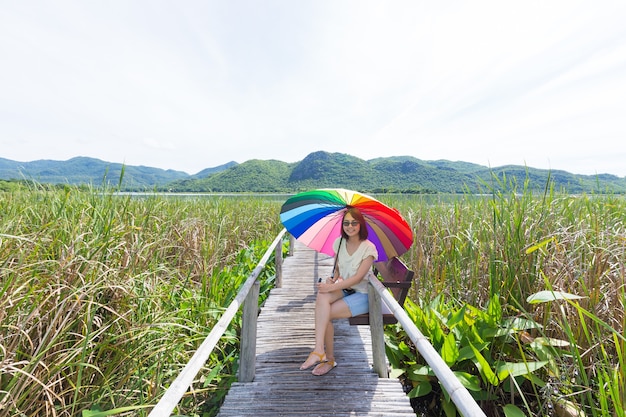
(278, 258)
(378, 333)
(292, 244)
(465, 403)
(247, 358)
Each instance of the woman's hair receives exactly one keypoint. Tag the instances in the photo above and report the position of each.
(356, 215)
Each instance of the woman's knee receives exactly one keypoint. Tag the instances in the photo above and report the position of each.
(328, 297)
(339, 310)
(322, 297)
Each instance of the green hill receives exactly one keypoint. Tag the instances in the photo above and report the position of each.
(252, 176)
(394, 174)
(320, 169)
(82, 170)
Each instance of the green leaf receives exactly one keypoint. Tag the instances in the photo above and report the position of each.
(421, 370)
(393, 355)
(485, 368)
(420, 373)
(520, 323)
(469, 381)
(517, 369)
(436, 335)
(534, 379)
(396, 373)
(421, 389)
(456, 318)
(548, 341)
(544, 353)
(494, 309)
(540, 245)
(474, 314)
(515, 324)
(469, 314)
(212, 375)
(100, 413)
(404, 348)
(465, 353)
(449, 408)
(511, 410)
(449, 350)
(412, 310)
(546, 296)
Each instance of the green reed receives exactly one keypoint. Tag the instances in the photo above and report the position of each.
(513, 244)
(104, 298)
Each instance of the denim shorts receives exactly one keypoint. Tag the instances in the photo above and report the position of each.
(357, 303)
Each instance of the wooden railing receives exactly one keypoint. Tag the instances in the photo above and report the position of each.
(378, 293)
(248, 296)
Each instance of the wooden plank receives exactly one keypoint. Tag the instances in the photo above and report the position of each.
(285, 336)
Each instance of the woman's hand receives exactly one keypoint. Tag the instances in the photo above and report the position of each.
(328, 285)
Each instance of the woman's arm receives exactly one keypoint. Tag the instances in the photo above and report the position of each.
(340, 284)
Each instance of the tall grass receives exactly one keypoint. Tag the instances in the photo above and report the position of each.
(513, 244)
(104, 298)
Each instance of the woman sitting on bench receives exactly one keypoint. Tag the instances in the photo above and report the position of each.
(344, 294)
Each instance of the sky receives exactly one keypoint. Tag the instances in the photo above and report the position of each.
(189, 85)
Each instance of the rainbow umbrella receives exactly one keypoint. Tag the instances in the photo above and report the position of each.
(314, 218)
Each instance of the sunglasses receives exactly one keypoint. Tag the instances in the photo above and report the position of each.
(354, 223)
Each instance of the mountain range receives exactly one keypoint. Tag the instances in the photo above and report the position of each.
(317, 170)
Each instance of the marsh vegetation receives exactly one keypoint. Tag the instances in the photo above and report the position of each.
(104, 298)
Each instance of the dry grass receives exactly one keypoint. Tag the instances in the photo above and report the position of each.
(103, 298)
(514, 245)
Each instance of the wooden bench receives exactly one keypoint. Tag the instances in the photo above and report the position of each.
(399, 279)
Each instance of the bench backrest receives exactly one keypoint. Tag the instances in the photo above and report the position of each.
(398, 278)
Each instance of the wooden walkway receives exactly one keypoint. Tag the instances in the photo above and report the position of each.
(284, 340)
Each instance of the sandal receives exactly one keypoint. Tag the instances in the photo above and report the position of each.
(321, 357)
(324, 367)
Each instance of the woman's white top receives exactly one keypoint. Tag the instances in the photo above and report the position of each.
(349, 264)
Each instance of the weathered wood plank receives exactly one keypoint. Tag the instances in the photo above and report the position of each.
(284, 340)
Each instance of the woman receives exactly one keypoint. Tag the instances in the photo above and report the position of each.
(345, 293)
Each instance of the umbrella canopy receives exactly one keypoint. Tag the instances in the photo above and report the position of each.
(314, 218)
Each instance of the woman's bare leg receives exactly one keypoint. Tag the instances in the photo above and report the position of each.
(338, 309)
(325, 311)
(329, 340)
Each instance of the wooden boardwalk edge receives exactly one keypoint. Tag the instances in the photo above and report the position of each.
(284, 340)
